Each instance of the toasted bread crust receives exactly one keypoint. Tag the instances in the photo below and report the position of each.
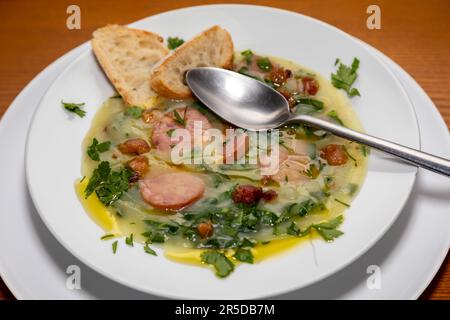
(127, 56)
(213, 47)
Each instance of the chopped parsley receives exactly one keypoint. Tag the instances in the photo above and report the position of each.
(342, 202)
(107, 236)
(179, 119)
(248, 56)
(174, 42)
(349, 155)
(264, 64)
(107, 184)
(114, 246)
(129, 240)
(94, 150)
(219, 261)
(149, 250)
(74, 107)
(308, 106)
(328, 230)
(243, 255)
(345, 76)
(134, 111)
(333, 115)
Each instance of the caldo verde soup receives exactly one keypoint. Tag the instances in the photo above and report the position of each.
(177, 175)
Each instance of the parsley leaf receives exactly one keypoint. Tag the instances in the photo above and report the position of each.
(221, 263)
(75, 108)
(345, 76)
(108, 185)
(129, 240)
(333, 115)
(243, 255)
(264, 64)
(149, 250)
(178, 118)
(174, 42)
(114, 246)
(248, 56)
(328, 229)
(134, 111)
(308, 106)
(95, 148)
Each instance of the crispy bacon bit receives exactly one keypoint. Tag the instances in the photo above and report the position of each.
(205, 229)
(269, 195)
(134, 146)
(278, 76)
(334, 154)
(139, 165)
(246, 194)
(289, 96)
(310, 86)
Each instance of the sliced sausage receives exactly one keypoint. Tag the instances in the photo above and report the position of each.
(334, 154)
(161, 136)
(172, 191)
(134, 146)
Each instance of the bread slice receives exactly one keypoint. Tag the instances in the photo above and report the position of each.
(211, 48)
(127, 56)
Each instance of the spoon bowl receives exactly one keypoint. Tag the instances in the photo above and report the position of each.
(239, 99)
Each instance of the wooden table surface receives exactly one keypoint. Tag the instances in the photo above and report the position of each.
(415, 34)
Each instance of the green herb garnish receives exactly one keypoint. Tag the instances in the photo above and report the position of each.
(308, 106)
(243, 255)
(328, 229)
(149, 250)
(248, 56)
(178, 118)
(333, 115)
(107, 236)
(345, 77)
(342, 202)
(114, 246)
(129, 240)
(134, 111)
(221, 263)
(108, 185)
(349, 155)
(94, 150)
(74, 107)
(264, 64)
(174, 42)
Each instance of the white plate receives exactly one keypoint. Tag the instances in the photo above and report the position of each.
(54, 153)
(35, 266)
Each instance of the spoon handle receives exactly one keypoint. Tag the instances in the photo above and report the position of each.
(419, 158)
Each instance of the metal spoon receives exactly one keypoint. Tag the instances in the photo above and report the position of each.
(253, 105)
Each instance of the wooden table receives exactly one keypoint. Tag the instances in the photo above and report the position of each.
(413, 33)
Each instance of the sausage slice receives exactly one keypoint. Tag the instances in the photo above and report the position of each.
(172, 191)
